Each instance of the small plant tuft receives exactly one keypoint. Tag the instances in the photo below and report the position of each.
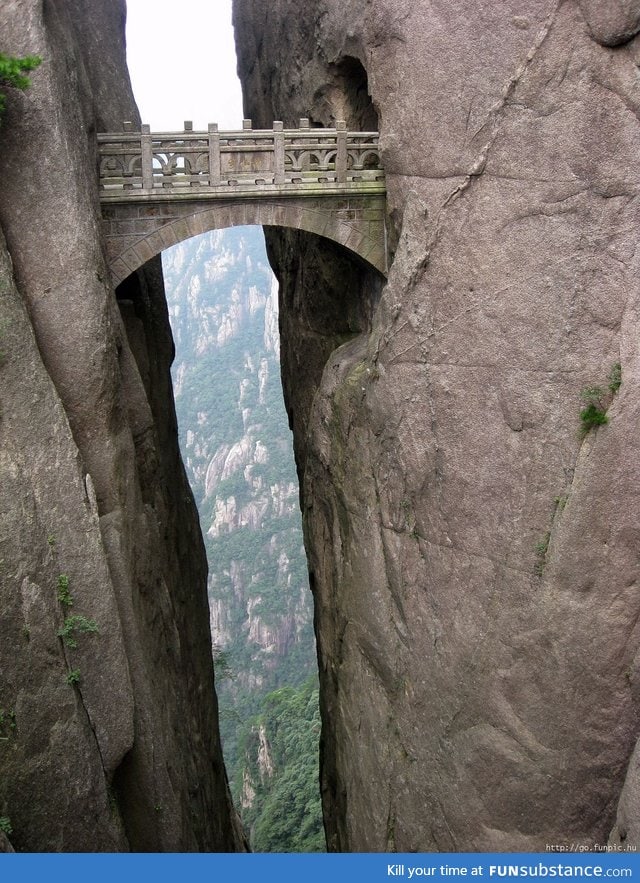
(543, 544)
(73, 677)
(615, 378)
(560, 502)
(5, 825)
(596, 401)
(64, 595)
(73, 626)
(594, 413)
(8, 724)
(541, 548)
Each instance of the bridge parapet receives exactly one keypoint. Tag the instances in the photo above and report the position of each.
(140, 165)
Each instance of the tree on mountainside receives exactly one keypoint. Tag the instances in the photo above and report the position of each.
(12, 73)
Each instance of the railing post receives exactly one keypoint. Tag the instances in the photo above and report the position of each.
(278, 152)
(147, 157)
(341, 152)
(215, 176)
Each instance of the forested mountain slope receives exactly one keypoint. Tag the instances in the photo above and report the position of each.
(237, 449)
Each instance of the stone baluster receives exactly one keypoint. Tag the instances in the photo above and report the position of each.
(341, 152)
(305, 159)
(278, 152)
(147, 157)
(215, 176)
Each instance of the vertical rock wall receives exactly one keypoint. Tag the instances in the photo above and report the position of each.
(474, 555)
(110, 744)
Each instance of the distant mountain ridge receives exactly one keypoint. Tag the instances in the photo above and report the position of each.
(237, 449)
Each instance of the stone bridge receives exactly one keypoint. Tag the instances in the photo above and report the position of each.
(158, 189)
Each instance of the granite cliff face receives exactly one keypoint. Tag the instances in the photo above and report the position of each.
(474, 556)
(110, 744)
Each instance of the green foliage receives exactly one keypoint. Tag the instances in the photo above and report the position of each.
(221, 664)
(286, 815)
(73, 677)
(64, 596)
(560, 502)
(597, 401)
(5, 825)
(591, 417)
(12, 73)
(73, 626)
(594, 413)
(8, 724)
(615, 378)
(543, 545)
(541, 554)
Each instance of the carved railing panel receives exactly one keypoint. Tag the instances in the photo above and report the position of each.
(137, 163)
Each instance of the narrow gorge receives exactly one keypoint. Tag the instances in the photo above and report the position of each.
(465, 433)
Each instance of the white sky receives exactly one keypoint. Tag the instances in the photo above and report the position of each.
(182, 62)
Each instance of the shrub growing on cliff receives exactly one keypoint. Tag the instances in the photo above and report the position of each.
(594, 413)
(12, 73)
(73, 677)
(64, 595)
(73, 626)
(615, 378)
(597, 401)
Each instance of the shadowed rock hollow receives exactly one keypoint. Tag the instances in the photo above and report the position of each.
(474, 557)
(111, 744)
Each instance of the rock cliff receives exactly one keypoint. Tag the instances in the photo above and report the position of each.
(108, 721)
(473, 544)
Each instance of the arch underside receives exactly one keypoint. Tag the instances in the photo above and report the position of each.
(137, 233)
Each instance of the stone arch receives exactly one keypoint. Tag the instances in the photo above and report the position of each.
(356, 223)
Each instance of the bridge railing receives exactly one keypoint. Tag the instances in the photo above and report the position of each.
(133, 162)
